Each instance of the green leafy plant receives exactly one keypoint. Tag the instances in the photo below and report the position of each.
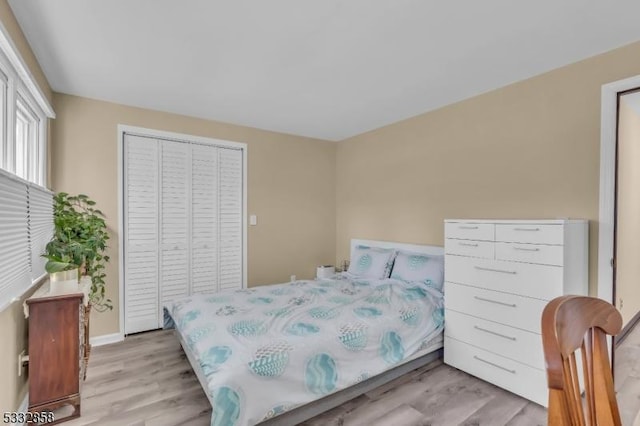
(79, 242)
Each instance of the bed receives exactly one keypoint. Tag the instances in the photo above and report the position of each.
(282, 353)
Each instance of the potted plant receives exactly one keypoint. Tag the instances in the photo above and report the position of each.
(78, 246)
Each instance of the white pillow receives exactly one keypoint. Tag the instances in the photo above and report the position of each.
(371, 262)
(426, 268)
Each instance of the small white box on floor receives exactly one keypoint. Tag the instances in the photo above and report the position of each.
(325, 271)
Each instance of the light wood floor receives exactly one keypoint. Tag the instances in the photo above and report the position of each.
(147, 380)
(627, 378)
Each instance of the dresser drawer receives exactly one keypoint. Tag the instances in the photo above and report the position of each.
(516, 311)
(470, 248)
(539, 281)
(518, 378)
(512, 343)
(470, 231)
(530, 253)
(530, 233)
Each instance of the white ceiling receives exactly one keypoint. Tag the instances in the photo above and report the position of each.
(327, 68)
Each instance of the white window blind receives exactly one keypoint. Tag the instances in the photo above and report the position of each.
(26, 225)
(15, 258)
(40, 227)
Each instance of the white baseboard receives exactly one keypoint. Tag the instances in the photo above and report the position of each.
(106, 339)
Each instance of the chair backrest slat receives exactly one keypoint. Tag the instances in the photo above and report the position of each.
(577, 411)
(571, 323)
(607, 412)
(587, 366)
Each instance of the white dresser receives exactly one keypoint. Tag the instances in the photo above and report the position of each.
(499, 275)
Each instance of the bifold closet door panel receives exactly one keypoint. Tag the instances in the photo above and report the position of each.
(230, 220)
(141, 180)
(204, 218)
(175, 206)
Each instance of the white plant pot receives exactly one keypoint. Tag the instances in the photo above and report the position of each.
(63, 281)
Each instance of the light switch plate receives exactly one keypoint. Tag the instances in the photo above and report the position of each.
(253, 220)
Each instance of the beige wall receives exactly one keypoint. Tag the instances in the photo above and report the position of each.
(291, 186)
(528, 150)
(628, 213)
(13, 326)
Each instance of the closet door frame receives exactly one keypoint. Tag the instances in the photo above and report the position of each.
(179, 137)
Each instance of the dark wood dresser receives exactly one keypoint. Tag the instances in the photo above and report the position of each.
(56, 348)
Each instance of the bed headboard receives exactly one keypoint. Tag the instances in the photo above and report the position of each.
(418, 248)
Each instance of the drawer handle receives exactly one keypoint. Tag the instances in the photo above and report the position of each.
(502, 271)
(467, 227)
(494, 364)
(526, 229)
(526, 249)
(494, 333)
(511, 305)
(468, 244)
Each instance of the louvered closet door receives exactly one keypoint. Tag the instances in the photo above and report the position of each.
(230, 221)
(204, 219)
(183, 224)
(174, 221)
(141, 233)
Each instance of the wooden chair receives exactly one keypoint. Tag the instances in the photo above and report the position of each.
(570, 323)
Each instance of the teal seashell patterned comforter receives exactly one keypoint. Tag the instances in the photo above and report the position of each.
(267, 350)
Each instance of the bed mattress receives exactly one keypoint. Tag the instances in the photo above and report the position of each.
(263, 351)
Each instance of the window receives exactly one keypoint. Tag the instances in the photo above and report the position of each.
(22, 128)
(24, 141)
(26, 206)
(4, 85)
(26, 145)
(27, 161)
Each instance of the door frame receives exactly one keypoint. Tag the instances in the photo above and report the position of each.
(160, 134)
(607, 211)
